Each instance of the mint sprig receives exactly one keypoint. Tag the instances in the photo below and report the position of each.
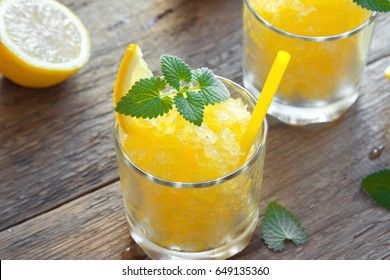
(279, 225)
(374, 5)
(377, 186)
(191, 92)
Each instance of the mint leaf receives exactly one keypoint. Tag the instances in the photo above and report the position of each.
(190, 107)
(144, 100)
(374, 5)
(279, 225)
(175, 70)
(191, 92)
(211, 88)
(377, 186)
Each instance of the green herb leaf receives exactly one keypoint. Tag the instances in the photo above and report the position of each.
(377, 186)
(175, 70)
(279, 225)
(374, 5)
(144, 101)
(211, 88)
(190, 107)
(150, 98)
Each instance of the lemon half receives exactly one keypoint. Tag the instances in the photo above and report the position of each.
(132, 68)
(42, 42)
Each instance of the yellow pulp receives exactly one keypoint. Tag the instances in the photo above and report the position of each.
(312, 17)
(174, 149)
(317, 69)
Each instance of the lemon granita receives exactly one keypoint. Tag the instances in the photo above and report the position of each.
(312, 17)
(171, 148)
(185, 192)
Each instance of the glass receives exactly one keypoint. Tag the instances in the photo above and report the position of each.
(320, 83)
(202, 220)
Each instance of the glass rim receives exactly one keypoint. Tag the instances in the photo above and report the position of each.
(201, 184)
(312, 38)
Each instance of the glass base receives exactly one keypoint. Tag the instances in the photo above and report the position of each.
(295, 115)
(157, 252)
(304, 115)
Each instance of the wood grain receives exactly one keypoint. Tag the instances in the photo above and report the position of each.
(76, 230)
(59, 195)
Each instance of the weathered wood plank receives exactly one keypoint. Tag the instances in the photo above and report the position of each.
(364, 235)
(381, 39)
(79, 229)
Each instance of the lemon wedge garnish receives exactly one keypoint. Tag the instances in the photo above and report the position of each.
(132, 68)
(42, 42)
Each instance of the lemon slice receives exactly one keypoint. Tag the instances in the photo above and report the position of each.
(387, 72)
(133, 67)
(42, 42)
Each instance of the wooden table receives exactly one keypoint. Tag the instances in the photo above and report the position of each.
(59, 188)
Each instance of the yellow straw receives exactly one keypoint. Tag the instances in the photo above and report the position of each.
(266, 96)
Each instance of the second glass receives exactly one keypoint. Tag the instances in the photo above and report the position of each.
(321, 82)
